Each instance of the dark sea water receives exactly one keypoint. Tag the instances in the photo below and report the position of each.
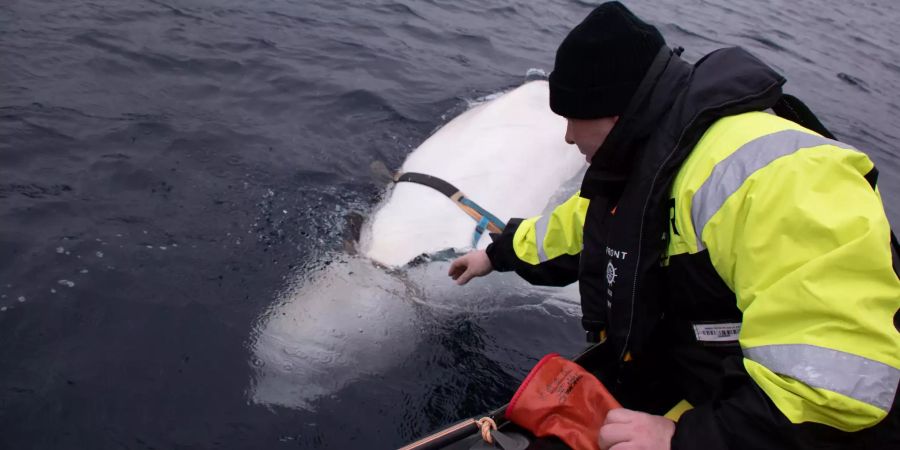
(166, 165)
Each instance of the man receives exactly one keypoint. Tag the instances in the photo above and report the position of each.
(726, 256)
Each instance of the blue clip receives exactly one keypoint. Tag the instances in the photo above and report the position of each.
(479, 230)
(484, 213)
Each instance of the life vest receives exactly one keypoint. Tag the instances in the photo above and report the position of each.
(678, 174)
(625, 233)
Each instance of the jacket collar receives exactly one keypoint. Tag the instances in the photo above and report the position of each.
(674, 92)
(614, 159)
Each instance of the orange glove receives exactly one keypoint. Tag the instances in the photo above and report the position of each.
(559, 398)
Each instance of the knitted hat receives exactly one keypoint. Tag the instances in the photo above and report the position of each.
(600, 64)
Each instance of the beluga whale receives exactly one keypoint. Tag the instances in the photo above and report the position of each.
(357, 315)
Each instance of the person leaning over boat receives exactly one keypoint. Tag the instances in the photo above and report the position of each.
(726, 256)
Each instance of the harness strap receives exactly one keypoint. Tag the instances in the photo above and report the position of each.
(485, 220)
(427, 180)
(479, 230)
(494, 224)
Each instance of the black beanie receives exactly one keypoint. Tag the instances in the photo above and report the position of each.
(600, 64)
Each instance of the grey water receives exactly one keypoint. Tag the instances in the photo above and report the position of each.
(166, 166)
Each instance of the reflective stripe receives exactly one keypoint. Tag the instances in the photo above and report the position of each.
(540, 233)
(730, 173)
(856, 377)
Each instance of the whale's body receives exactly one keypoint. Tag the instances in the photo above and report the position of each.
(353, 318)
(507, 154)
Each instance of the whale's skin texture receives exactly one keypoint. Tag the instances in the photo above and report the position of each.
(361, 315)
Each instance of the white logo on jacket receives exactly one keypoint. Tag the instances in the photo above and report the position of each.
(618, 254)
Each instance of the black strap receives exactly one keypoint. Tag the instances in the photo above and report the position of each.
(483, 217)
(791, 108)
(895, 250)
(433, 182)
(872, 177)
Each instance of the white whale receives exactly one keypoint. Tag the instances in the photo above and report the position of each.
(507, 154)
(352, 318)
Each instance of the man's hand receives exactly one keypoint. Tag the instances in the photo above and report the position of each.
(473, 264)
(625, 429)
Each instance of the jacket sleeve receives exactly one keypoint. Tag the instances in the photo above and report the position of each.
(544, 250)
(805, 246)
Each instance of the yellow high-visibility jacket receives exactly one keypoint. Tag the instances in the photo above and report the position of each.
(796, 235)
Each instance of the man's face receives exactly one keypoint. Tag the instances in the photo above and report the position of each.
(589, 134)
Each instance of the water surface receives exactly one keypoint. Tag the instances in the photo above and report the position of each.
(168, 167)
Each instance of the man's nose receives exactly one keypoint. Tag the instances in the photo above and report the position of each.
(568, 137)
